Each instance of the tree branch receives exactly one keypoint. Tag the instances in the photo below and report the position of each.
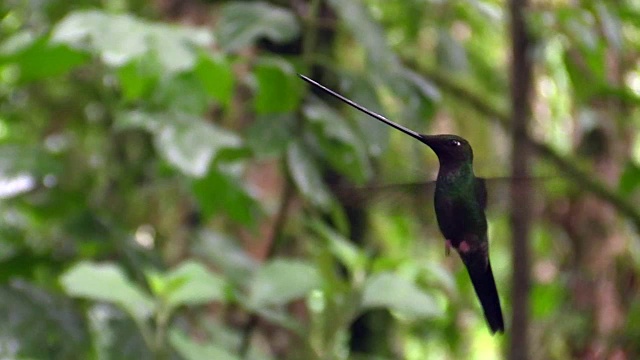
(275, 244)
(521, 84)
(564, 164)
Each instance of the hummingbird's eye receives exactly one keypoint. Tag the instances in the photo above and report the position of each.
(454, 143)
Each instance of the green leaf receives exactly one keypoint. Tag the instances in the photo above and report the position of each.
(611, 26)
(270, 135)
(38, 322)
(218, 192)
(24, 160)
(279, 89)
(217, 77)
(546, 299)
(280, 281)
(37, 58)
(349, 254)
(193, 284)
(103, 33)
(452, 56)
(191, 350)
(118, 39)
(306, 176)
(107, 282)
(138, 78)
(225, 254)
(362, 89)
(190, 145)
(17, 43)
(630, 179)
(342, 149)
(242, 23)
(185, 141)
(388, 290)
(113, 336)
(176, 46)
(366, 31)
(420, 97)
(440, 276)
(183, 93)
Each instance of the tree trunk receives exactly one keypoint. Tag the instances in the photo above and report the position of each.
(521, 75)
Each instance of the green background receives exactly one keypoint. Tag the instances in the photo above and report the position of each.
(169, 188)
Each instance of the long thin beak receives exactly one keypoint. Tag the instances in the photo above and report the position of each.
(364, 109)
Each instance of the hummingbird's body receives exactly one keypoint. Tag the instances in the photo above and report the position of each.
(460, 200)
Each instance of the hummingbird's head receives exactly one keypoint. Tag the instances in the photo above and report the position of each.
(450, 149)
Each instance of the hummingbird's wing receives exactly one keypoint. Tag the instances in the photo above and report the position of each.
(481, 192)
(498, 191)
(415, 198)
(392, 193)
(490, 192)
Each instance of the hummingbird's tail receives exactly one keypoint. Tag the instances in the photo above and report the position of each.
(485, 287)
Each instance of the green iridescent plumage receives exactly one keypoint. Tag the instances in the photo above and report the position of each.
(460, 200)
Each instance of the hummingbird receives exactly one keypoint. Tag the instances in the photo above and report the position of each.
(460, 200)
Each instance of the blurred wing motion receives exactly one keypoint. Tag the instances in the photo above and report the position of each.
(497, 196)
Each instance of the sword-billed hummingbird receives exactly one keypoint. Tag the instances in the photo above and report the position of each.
(460, 200)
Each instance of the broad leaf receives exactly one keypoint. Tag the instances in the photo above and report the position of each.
(138, 78)
(242, 23)
(451, 54)
(187, 142)
(420, 98)
(306, 175)
(362, 89)
(225, 253)
(191, 350)
(612, 27)
(546, 299)
(192, 144)
(339, 145)
(280, 281)
(182, 93)
(356, 17)
(37, 58)
(192, 284)
(279, 89)
(270, 135)
(218, 192)
(114, 336)
(107, 282)
(394, 292)
(216, 76)
(630, 179)
(118, 39)
(349, 254)
(39, 324)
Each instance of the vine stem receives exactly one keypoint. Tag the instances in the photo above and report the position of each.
(309, 40)
(565, 165)
(275, 243)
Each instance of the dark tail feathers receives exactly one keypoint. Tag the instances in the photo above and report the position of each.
(485, 286)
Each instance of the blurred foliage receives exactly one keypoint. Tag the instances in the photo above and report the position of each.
(168, 183)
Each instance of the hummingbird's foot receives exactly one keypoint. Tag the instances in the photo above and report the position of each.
(463, 247)
(447, 247)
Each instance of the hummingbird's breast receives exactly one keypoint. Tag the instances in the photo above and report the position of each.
(458, 211)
